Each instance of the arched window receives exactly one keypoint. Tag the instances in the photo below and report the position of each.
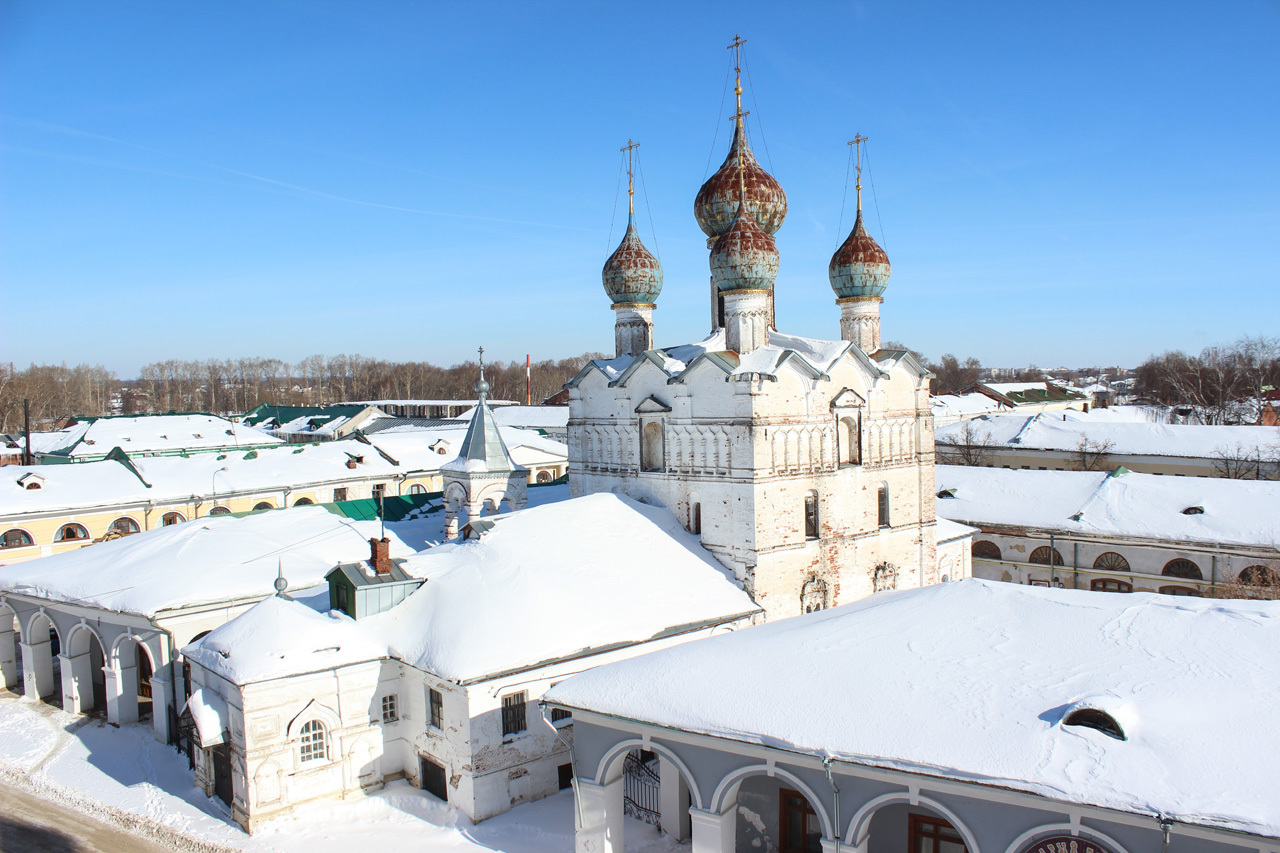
(1182, 568)
(984, 550)
(1180, 590)
(219, 510)
(1092, 718)
(123, 526)
(695, 518)
(849, 435)
(171, 518)
(71, 533)
(882, 505)
(1108, 585)
(1111, 562)
(1260, 576)
(811, 521)
(651, 447)
(813, 595)
(544, 476)
(312, 745)
(1043, 554)
(417, 489)
(260, 505)
(15, 538)
(885, 578)
(304, 502)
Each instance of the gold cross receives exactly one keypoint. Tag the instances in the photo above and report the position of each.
(857, 141)
(630, 147)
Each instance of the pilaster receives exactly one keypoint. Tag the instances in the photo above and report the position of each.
(713, 832)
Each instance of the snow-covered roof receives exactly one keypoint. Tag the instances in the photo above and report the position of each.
(529, 417)
(1143, 506)
(544, 584)
(1053, 431)
(813, 356)
(948, 530)
(223, 558)
(152, 434)
(174, 478)
(492, 403)
(972, 403)
(913, 680)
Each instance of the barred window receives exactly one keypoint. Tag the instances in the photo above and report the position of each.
(558, 714)
(312, 742)
(513, 711)
(436, 700)
(389, 712)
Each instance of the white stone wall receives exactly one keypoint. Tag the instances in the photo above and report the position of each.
(747, 451)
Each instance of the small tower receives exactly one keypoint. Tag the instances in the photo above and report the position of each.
(859, 274)
(744, 265)
(483, 475)
(739, 176)
(632, 279)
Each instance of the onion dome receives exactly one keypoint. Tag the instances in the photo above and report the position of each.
(716, 204)
(632, 273)
(745, 257)
(859, 267)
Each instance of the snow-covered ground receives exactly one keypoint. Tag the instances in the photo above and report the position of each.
(123, 777)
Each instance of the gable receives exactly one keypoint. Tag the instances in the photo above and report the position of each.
(652, 406)
(848, 398)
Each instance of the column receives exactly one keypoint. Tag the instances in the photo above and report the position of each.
(450, 520)
(122, 694)
(600, 827)
(712, 832)
(8, 659)
(77, 677)
(673, 800)
(161, 701)
(37, 668)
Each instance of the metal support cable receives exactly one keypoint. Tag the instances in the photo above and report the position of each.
(756, 112)
(652, 229)
(866, 153)
(716, 136)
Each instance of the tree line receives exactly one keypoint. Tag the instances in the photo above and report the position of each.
(234, 386)
(1223, 384)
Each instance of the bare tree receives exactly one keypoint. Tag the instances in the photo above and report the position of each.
(973, 446)
(1092, 455)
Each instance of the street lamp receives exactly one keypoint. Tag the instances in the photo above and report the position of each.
(213, 489)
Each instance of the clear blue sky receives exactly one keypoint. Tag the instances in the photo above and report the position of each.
(1055, 182)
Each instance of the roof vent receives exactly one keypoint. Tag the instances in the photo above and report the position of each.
(1092, 718)
(1193, 510)
(947, 493)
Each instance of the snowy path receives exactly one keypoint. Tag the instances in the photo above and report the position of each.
(123, 778)
(29, 824)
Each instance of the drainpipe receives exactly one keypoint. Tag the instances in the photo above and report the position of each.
(1167, 826)
(577, 802)
(1075, 566)
(1213, 573)
(835, 795)
(1053, 549)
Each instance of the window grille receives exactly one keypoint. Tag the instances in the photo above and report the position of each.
(436, 700)
(811, 515)
(389, 713)
(1182, 568)
(312, 742)
(882, 500)
(513, 713)
(558, 714)
(985, 550)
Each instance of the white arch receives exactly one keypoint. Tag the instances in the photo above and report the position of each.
(37, 615)
(623, 747)
(861, 823)
(734, 779)
(75, 631)
(314, 710)
(114, 658)
(1069, 829)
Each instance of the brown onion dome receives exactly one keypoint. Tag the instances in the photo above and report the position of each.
(716, 204)
(745, 257)
(632, 273)
(859, 267)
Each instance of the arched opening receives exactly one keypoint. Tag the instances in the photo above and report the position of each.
(774, 811)
(1111, 562)
(219, 510)
(122, 526)
(985, 550)
(15, 538)
(885, 578)
(652, 790)
(1109, 585)
(71, 533)
(1261, 576)
(414, 489)
(1044, 555)
(1180, 590)
(1182, 568)
(88, 681)
(545, 477)
(812, 526)
(42, 666)
(651, 447)
(171, 518)
(135, 669)
(882, 505)
(261, 505)
(10, 651)
(304, 502)
(849, 439)
(901, 826)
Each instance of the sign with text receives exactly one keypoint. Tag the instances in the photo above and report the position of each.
(1064, 844)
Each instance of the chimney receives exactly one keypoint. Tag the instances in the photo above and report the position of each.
(381, 557)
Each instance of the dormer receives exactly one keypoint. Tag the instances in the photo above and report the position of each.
(366, 589)
(31, 481)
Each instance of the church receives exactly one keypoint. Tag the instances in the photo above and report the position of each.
(804, 465)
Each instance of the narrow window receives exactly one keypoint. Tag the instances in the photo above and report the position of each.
(379, 490)
(436, 699)
(171, 518)
(389, 713)
(513, 706)
(695, 518)
(811, 515)
(312, 742)
(882, 504)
